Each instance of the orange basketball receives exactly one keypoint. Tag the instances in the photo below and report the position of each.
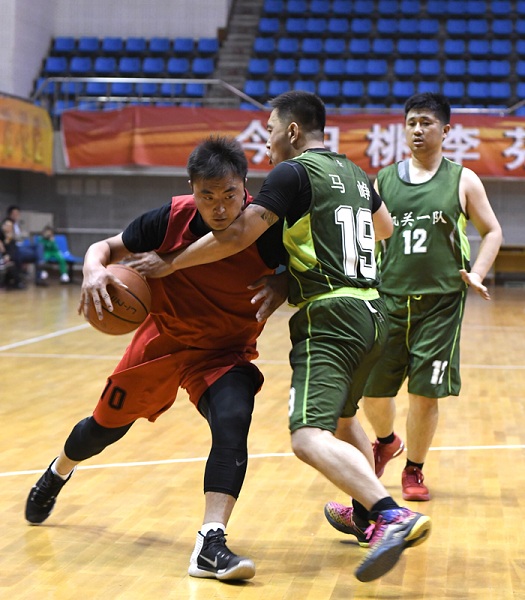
(130, 306)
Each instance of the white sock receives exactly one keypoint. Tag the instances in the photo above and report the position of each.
(55, 472)
(210, 526)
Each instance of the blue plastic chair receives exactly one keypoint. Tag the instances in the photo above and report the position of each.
(338, 26)
(405, 67)
(387, 7)
(171, 90)
(356, 67)
(502, 28)
(428, 47)
(387, 27)
(312, 46)
(135, 45)
(478, 68)
(72, 88)
(334, 46)
(264, 46)
(278, 86)
(428, 86)
(296, 7)
(477, 27)
(305, 85)
(96, 88)
(287, 46)
(153, 66)
(269, 25)
(295, 26)
(258, 66)
(383, 46)
(455, 68)
(429, 67)
(284, 67)
(129, 66)
(178, 66)
(329, 89)
(334, 67)
(352, 89)
(146, 89)
(501, 47)
(56, 65)
(500, 7)
(273, 7)
(454, 47)
(500, 90)
(316, 26)
(183, 46)
(320, 7)
(88, 45)
(361, 26)
(195, 90)
(80, 66)
(342, 7)
(159, 45)
(202, 67)
(105, 66)
(359, 46)
(499, 69)
(112, 45)
(403, 89)
(309, 67)
(378, 89)
(454, 90)
(407, 46)
(121, 89)
(256, 88)
(376, 67)
(64, 45)
(207, 46)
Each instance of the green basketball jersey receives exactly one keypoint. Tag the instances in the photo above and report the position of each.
(429, 244)
(331, 247)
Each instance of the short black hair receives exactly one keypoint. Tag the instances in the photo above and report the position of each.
(217, 157)
(307, 109)
(435, 103)
(11, 208)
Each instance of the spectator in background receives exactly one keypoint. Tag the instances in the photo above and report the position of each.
(52, 253)
(10, 264)
(28, 252)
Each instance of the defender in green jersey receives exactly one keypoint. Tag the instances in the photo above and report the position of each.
(332, 218)
(425, 274)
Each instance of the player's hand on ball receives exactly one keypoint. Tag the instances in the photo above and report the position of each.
(149, 264)
(94, 289)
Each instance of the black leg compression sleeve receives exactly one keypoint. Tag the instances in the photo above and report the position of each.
(228, 405)
(88, 438)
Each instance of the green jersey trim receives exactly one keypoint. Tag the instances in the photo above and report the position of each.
(348, 292)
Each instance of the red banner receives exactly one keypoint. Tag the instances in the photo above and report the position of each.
(164, 136)
(26, 136)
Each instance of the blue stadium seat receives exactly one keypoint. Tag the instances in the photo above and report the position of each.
(359, 46)
(478, 90)
(60, 106)
(356, 67)
(338, 26)
(105, 66)
(520, 48)
(80, 66)
(334, 67)
(478, 27)
(311, 46)
(363, 7)
(405, 67)
(502, 28)
(195, 90)
(407, 46)
(478, 68)
(320, 7)
(288, 46)
(428, 47)
(316, 26)
(455, 68)
(378, 89)
(501, 7)
(435, 7)
(387, 7)
(429, 67)
(146, 89)
(519, 27)
(183, 46)
(88, 45)
(426, 27)
(334, 46)
(500, 90)
(428, 86)
(112, 45)
(159, 45)
(72, 88)
(520, 7)
(410, 7)
(520, 70)
(499, 69)
(153, 66)
(284, 67)
(353, 89)
(455, 7)
(202, 67)
(308, 67)
(476, 7)
(56, 65)
(305, 85)
(361, 26)
(383, 46)
(501, 47)
(376, 67)
(129, 66)
(64, 45)
(454, 90)
(269, 25)
(178, 66)
(264, 46)
(278, 86)
(121, 89)
(273, 7)
(296, 7)
(403, 89)
(456, 27)
(329, 89)
(387, 27)
(207, 46)
(454, 47)
(256, 88)
(342, 7)
(477, 47)
(96, 88)
(171, 90)
(258, 66)
(135, 45)
(295, 26)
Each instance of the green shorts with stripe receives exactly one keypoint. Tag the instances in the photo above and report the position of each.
(423, 345)
(335, 342)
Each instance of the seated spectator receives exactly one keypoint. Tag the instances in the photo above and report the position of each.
(10, 263)
(29, 252)
(52, 252)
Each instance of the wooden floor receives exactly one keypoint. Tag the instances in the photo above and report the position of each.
(124, 526)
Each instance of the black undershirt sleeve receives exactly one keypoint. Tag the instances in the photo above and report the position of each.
(147, 232)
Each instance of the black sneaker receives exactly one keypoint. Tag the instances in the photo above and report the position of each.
(43, 495)
(215, 560)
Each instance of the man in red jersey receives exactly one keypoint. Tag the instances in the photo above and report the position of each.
(200, 336)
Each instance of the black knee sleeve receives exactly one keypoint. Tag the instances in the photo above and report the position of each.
(88, 438)
(228, 407)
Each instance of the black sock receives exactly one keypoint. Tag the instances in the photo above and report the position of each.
(387, 440)
(387, 503)
(413, 464)
(360, 511)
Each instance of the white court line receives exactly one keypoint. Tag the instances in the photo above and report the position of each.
(43, 337)
(172, 461)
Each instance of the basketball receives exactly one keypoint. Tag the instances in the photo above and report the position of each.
(130, 306)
